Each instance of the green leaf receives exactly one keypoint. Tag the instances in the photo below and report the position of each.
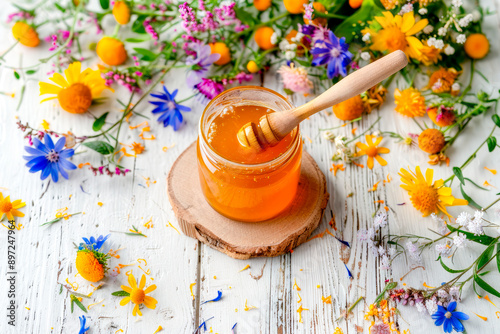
(58, 6)
(458, 173)
(245, 17)
(80, 305)
(100, 147)
(17, 75)
(485, 257)
(496, 119)
(104, 4)
(448, 269)
(146, 54)
(492, 143)
(389, 286)
(367, 11)
(482, 239)
(474, 183)
(30, 72)
(121, 293)
(99, 122)
(138, 25)
(485, 286)
(138, 40)
(469, 199)
(498, 256)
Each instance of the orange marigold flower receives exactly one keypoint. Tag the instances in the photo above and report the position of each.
(442, 80)
(477, 46)
(263, 37)
(252, 67)
(121, 12)
(222, 49)
(374, 97)
(9, 208)
(389, 4)
(25, 34)
(428, 196)
(429, 54)
(262, 5)
(111, 51)
(431, 141)
(409, 102)
(295, 6)
(441, 116)
(349, 109)
(88, 266)
(372, 151)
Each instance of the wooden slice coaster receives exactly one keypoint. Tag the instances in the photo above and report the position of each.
(240, 240)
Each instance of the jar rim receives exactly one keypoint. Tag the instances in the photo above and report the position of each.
(223, 160)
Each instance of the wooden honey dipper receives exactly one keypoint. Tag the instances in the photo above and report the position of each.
(275, 126)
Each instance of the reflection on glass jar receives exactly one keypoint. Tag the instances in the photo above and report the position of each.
(237, 182)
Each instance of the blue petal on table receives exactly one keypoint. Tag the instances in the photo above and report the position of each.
(216, 299)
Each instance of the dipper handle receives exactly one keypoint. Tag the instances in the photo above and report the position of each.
(275, 126)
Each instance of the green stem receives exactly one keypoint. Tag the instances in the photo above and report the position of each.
(491, 204)
(472, 156)
(371, 126)
(340, 126)
(469, 86)
(187, 98)
(116, 30)
(8, 50)
(331, 16)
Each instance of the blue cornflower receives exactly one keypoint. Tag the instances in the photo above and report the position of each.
(334, 52)
(170, 110)
(83, 321)
(93, 243)
(450, 318)
(49, 158)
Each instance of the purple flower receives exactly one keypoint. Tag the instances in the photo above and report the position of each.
(307, 29)
(449, 318)
(170, 111)
(200, 64)
(334, 52)
(209, 88)
(49, 158)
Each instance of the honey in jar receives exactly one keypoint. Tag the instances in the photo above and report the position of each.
(238, 182)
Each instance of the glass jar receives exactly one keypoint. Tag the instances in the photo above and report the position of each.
(248, 192)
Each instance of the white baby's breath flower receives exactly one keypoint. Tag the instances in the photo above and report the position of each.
(455, 87)
(289, 55)
(392, 251)
(459, 240)
(466, 20)
(428, 29)
(414, 253)
(443, 249)
(298, 37)
(454, 292)
(366, 37)
(461, 39)
(449, 50)
(381, 250)
(431, 306)
(380, 219)
(456, 3)
(408, 7)
(274, 38)
(420, 307)
(463, 218)
(422, 11)
(329, 135)
(365, 56)
(442, 31)
(283, 45)
(385, 262)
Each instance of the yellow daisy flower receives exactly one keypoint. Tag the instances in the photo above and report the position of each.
(426, 196)
(75, 92)
(372, 151)
(397, 34)
(138, 294)
(9, 209)
(409, 102)
(429, 55)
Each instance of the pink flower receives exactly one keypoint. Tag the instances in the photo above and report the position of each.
(295, 79)
(380, 328)
(209, 88)
(242, 76)
(308, 11)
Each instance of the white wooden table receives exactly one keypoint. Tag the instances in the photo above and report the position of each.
(46, 255)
